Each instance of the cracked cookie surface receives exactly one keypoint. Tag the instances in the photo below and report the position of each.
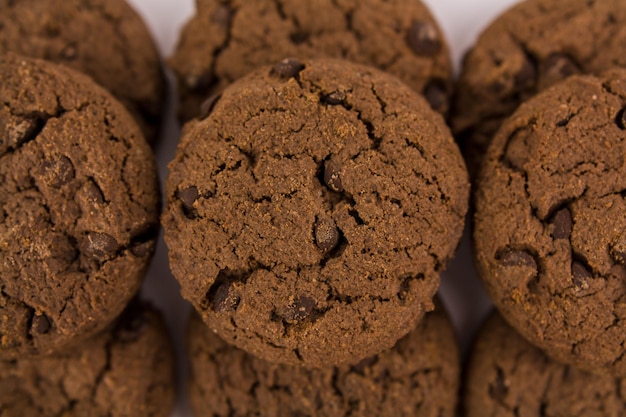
(126, 371)
(418, 377)
(104, 39)
(310, 213)
(79, 205)
(550, 221)
(530, 47)
(226, 40)
(508, 377)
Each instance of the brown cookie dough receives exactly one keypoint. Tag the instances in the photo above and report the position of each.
(550, 221)
(227, 39)
(418, 377)
(104, 39)
(508, 377)
(310, 214)
(126, 371)
(79, 205)
(530, 47)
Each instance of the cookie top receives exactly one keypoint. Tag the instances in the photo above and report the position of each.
(550, 221)
(310, 213)
(79, 205)
(226, 40)
(508, 377)
(418, 377)
(530, 47)
(126, 371)
(104, 39)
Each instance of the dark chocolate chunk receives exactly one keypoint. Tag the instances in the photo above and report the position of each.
(41, 324)
(99, 246)
(621, 119)
(326, 234)
(511, 257)
(225, 297)
(301, 309)
(93, 192)
(580, 275)
(560, 66)
(332, 176)
(423, 39)
(498, 389)
(288, 68)
(334, 98)
(435, 94)
(59, 172)
(562, 224)
(527, 75)
(188, 196)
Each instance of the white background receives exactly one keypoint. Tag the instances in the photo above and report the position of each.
(461, 21)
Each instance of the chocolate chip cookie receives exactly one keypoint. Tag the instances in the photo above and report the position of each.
(550, 222)
(418, 377)
(311, 209)
(79, 206)
(508, 377)
(530, 47)
(225, 40)
(104, 39)
(126, 371)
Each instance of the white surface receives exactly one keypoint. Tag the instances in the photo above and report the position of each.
(461, 21)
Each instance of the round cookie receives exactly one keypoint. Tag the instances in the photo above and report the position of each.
(226, 40)
(418, 377)
(508, 377)
(550, 221)
(104, 39)
(530, 47)
(310, 213)
(126, 371)
(79, 206)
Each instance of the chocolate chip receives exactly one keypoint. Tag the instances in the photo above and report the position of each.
(143, 249)
(100, 246)
(222, 16)
(562, 222)
(93, 192)
(326, 234)
(131, 326)
(199, 82)
(288, 68)
(300, 310)
(559, 66)
(41, 324)
(59, 172)
(299, 38)
(334, 98)
(526, 76)
(423, 39)
(435, 94)
(207, 106)
(580, 275)
(332, 176)
(511, 257)
(499, 389)
(188, 196)
(224, 298)
(23, 131)
(621, 119)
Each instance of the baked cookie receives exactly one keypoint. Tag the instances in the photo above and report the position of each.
(125, 371)
(226, 40)
(508, 377)
(550, 221)
(530, 47)
(104, 39)
(418, 377)
(79, 206)
(310, 212)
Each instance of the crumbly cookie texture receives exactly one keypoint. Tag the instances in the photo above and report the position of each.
(126, 371)
(508, 377)
(418, 377)
(79, 206)
(530, 47)
(105, 39)
(226, 40)
(310, 213)
(550, 221)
